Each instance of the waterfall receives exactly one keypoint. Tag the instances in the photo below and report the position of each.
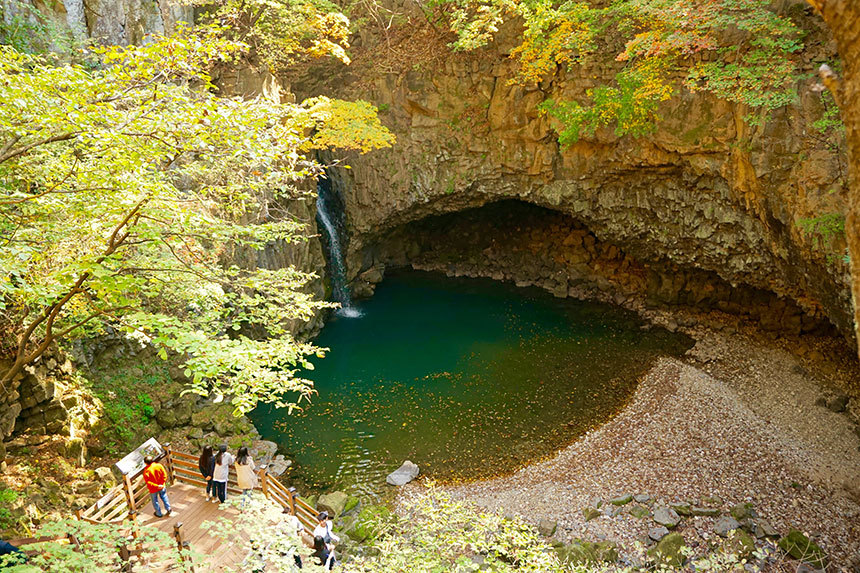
(327, 222)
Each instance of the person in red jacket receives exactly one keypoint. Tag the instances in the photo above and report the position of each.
(156, 481)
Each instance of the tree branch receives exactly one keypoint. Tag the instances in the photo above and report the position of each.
(50, 314)
(12, 153)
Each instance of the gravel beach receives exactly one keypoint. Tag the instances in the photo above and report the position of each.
(740, 419)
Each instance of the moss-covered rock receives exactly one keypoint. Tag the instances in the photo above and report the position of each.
(76, 450)
(804, 549)
(371, 520)
(591, 513)
(639, 511)
(176, 412)
(351, 504)
(588, 552)
(739, 543)
(743, 511)
(622, 499)
(669, 550)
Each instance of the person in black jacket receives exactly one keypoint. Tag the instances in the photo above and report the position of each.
(206, 465)
(323, 553)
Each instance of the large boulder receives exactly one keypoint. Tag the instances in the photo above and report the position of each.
(403, 475)
(262, 451)
(278, 465)
(334, 503)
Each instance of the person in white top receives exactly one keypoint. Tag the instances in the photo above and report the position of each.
(294, 527)
(323, 529)
(245, 475)
(222, 472)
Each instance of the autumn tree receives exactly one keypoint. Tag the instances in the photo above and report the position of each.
(280, 33)
(125, 181)
(754, 51)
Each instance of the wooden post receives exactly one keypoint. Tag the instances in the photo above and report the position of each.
(264, 482)
(125, 559)
(78, 513)
(129, 493)
(177, 534)
(169, 458)
(182, 546)
(74, 541)
(293, 496)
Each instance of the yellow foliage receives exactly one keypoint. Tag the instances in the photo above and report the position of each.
(340, 124)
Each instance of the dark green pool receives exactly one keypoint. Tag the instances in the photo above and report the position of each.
(465, 377)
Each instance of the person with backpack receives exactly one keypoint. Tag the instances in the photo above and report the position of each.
(155, 477)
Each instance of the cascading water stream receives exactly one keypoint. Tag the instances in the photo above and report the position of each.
(336, 264)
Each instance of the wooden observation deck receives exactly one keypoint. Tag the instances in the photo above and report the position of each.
(126, 504)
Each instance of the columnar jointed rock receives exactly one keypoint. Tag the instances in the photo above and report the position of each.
(403, 475)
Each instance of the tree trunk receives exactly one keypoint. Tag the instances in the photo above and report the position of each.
(843, 18)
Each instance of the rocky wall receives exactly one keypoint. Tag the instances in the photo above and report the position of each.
(711, 190)
(534, 246)
(42, 400)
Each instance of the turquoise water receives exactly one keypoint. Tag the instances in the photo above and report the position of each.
(467, 378)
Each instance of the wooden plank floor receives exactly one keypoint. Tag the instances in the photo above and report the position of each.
(190, 508)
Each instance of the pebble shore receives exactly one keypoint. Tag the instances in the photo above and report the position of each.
(735, 421)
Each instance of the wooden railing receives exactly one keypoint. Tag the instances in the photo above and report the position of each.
(288, 499)
(129, 497)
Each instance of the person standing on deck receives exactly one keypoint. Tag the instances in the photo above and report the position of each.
(323, 529)
(221, 473)
(156, 482)
(245, 475)
(206, 465)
